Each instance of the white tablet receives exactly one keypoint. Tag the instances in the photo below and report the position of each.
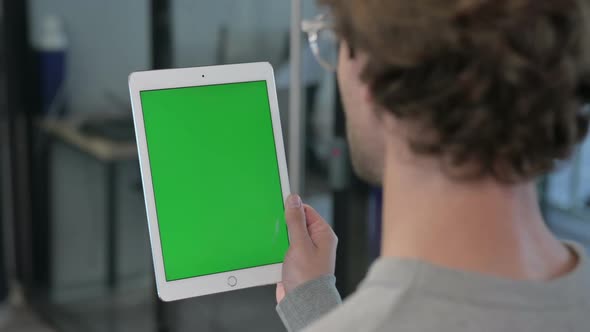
(214, 176)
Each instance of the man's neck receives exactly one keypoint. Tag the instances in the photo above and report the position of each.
(479, 227)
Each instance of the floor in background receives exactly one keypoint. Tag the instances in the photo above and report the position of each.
(21, 320)
(250, 309)
(121, 311)
(253, 308)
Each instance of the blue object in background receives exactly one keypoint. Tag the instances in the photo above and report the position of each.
(375, 214)
(52, 75)
(51, 47)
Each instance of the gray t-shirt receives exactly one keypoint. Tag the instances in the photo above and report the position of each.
(412, 296)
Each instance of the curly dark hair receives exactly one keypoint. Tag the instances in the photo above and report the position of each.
(495, 84)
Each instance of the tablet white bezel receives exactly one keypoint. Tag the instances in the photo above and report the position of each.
(189, 77)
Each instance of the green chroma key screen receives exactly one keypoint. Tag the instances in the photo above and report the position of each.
(215, 178)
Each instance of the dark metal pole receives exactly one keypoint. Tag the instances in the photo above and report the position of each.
(5, 204)
(111, 202)
(18, 69)
(161, 36)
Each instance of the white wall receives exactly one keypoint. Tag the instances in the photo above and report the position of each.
(257, 29)
(108, 40)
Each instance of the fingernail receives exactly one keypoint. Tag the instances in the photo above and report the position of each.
(294, 201)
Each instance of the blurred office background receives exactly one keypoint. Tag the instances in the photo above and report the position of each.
(74, 251)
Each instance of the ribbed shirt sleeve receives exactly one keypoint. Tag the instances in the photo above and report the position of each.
(308, 302)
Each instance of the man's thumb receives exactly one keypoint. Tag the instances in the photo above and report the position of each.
(295, 216)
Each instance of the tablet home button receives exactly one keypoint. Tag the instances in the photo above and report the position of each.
(232, 281)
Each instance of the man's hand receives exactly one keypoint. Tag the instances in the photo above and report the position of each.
(313, 246)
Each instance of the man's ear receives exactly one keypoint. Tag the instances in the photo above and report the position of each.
(358, 64)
